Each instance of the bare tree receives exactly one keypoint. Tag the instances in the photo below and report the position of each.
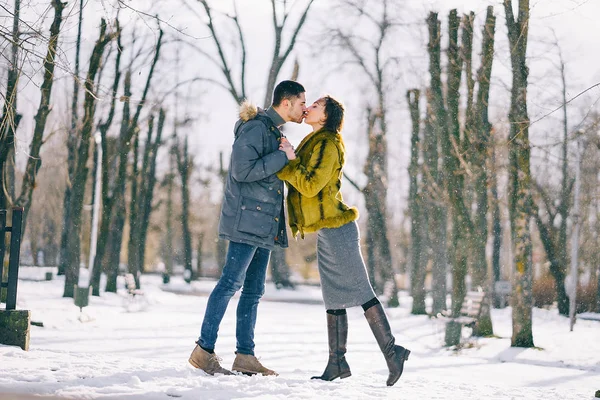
(417, 216)
(81, 169)
(107, 184)
(435, 174)
(374, 63)
(185, 166)
(34, 162)
(477, 142)
(553, 234)
(496, 219)
(464, 154)
(128, 130)
(9, 120)
(520, 175)
(235, 84)
(143, 181)
(281, 52)
(71, 147)
(168, 181)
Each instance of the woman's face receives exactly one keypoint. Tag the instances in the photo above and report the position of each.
(315, 114)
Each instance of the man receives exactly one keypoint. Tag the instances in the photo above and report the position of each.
(253, 221)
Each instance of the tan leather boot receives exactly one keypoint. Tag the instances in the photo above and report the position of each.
(249, 365)
(207, 362)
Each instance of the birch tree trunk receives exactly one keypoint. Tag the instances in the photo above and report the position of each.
(481, 143)
(520, 176)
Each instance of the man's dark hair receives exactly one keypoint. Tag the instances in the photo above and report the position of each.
(290, 90)
(334, 114)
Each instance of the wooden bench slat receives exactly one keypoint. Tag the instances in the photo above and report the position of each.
(470, 308)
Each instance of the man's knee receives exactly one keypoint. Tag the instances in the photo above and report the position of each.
(230, 285)
(256, 291)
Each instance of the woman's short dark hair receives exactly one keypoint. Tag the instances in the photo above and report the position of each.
(290, 90)
(334, 114)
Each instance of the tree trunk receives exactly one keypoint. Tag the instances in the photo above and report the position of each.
(456, 186)
(482, 144)
(564, 205)
(169, 224)
(134, 197)
(34, 161)
(418, 258)
(107, 169)
(496, 220)
(129, 129)
(436, 179)
(520, 176)
(427, 201)
(72, 142)
(185, 165)
(222, 243)
(10, 119)
(149, 177)
(117, 201)
(113, 255)
(199, 258)
(379, 258)
(81, 169)
(280, 269)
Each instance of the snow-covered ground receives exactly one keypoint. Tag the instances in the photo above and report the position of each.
(140, 351)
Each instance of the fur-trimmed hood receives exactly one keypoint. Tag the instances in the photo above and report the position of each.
(248, 111)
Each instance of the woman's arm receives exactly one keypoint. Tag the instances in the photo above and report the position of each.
(310, 179)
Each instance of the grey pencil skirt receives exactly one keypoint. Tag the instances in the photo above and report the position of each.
(342, 270)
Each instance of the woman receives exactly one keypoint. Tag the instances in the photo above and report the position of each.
(315, 204)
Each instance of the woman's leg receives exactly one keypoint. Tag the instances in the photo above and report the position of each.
(394, 355)
(337, 333)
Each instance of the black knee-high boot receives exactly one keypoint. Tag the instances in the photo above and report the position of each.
(337, 332)
(394, 355)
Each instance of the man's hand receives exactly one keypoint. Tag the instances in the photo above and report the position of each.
(287, 148)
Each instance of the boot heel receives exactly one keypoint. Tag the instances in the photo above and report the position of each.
(406, 354)
(345, 375)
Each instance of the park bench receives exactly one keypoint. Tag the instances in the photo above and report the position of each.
(470, 311)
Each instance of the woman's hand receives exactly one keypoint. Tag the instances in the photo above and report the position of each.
(287, 148)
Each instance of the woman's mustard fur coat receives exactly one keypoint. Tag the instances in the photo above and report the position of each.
(314, 179)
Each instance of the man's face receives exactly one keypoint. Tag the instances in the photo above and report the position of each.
(296, 108)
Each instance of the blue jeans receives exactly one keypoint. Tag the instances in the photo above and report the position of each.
(246, 266)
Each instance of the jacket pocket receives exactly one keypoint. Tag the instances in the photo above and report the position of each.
(256, 217)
